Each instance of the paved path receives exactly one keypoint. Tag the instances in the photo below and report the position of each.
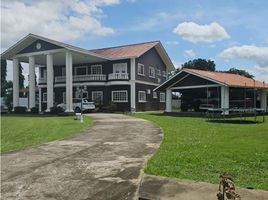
(103, 163)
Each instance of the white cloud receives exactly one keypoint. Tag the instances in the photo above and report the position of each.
(189, 53)
(248, 52)
(62, 20)
(201, 33)
(173, 42)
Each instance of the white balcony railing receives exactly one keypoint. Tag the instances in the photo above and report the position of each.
(115, 76)
(89, 77)
(42, 80)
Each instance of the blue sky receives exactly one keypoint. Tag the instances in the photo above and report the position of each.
(232, 33)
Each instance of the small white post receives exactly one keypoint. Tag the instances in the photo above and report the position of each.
(225, 99)
(168, 100)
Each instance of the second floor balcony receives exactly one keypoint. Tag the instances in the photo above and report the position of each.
(118, 76)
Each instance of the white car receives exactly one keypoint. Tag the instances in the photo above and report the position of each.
(86, 105)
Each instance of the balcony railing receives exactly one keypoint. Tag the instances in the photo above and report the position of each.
(89, 77)
(116, 76)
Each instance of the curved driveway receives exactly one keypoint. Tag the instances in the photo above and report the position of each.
(105, 162)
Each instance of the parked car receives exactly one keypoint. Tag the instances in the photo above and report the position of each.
(86, 105)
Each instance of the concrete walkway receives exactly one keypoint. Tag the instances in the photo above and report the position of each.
(163, 188)
(105, 162)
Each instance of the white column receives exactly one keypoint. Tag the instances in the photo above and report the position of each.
(50, 75)
(264, 99)
(40, 100)
(69, 81)
(225, 99)
(132, 84)
(31, 82)
(168, 100)
(15, 82)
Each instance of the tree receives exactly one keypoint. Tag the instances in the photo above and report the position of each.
(240, 72)
(21, 79)
(201, 64)
(9, 95)
(3, 77)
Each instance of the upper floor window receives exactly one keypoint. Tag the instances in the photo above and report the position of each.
(81, 70)
(119, 96)
(96, 69)
(120, 68)
(155, 95)
(141, 69)
(164, 74)
(142, 96)
(151, 72)
(162, 97)
(159, 72)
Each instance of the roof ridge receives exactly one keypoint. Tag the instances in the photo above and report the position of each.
(133, 44)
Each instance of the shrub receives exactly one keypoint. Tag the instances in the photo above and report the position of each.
(34, 110)
(56, 110)
(184, 107)
(20, 110)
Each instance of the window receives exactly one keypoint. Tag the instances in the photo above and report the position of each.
(44, 97)
(162, 97)
(97, 96)
(141, 69)
(82, 70)
(63, 71)
(164, 73)
(96, 69)
(159, 72)
(151, 72)
(119, 96)
(43, 73)
(64, 97)
(78, 93)
(142, 96)
(155, 95)
(120, 68)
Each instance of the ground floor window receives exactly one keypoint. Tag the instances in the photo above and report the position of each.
(155, 95)
(119, 96)
(97, 96)
(142, 96)
(162, 97)
(44, 97)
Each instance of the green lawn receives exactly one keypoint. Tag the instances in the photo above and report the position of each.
(20, 131)
(195, 149)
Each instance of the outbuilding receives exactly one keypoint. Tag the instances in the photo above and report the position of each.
(203, 90)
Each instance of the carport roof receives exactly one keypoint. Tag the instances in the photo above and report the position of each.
(221, 78)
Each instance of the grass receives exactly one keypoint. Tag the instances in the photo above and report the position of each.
(21, 131)
(195, 149)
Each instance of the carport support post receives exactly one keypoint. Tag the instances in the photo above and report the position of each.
(49, 82)
(264, 99)
(32, 82)
(15, 83)
(225, 99)
(132, 85)
(168, 100)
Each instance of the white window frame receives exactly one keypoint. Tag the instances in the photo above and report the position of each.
(162, 97)
(158, 72)
(78, 67)
(43, 97)
(97, 92)
(121, 66)
(151, 69)
(142, 97)
(155, 95)
(141, 66)
(120, 101)
(44, 73)
(95, 66)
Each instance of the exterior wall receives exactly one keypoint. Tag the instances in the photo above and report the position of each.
(44, 46)
(151, 103)
(151, 58)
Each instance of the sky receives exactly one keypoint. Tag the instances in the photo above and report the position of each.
(232, 33)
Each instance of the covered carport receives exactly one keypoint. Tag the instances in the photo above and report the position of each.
(202, 90)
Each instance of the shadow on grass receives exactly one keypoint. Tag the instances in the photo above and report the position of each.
(234, 121)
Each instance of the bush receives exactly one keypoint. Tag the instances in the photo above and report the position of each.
(20, 110)
(34, 110)
(184, 107)
(56, 110)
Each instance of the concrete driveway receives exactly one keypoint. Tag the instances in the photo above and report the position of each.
(105, 162)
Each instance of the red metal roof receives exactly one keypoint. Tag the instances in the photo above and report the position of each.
(231, 80)
(127, 51)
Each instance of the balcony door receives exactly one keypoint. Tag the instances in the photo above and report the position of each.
(120, 68)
